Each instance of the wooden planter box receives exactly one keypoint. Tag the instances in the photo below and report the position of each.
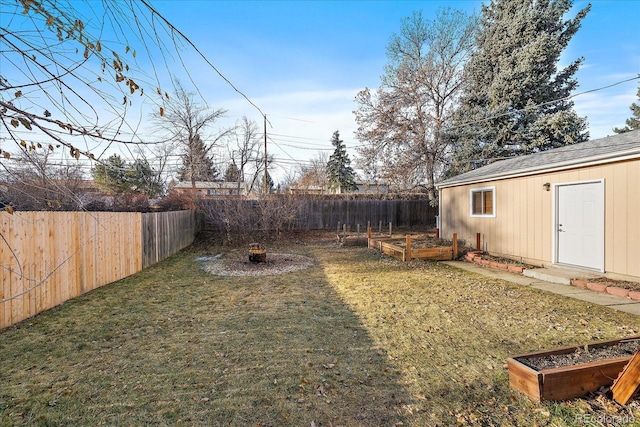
(566, 382)
(442, 253)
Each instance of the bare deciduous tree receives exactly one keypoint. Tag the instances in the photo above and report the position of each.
(247, 153)
(313, 174)
(186, 123)
(402, 122)
(35, 182)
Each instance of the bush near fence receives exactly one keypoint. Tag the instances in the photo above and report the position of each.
(319, 213)
(47, 258)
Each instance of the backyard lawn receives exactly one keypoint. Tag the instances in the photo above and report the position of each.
(355, 339)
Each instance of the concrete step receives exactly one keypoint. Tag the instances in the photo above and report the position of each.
(558, 275)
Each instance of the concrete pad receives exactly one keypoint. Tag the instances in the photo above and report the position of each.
(561, 275)
(548, 276)
(600, 298)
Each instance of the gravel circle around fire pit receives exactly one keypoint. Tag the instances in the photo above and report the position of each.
(238, 264)
(581, 355)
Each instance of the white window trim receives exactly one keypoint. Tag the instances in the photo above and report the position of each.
(475, 190)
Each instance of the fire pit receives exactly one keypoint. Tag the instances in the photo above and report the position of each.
(257, 253)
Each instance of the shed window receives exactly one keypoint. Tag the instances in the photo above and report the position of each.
(483, 202)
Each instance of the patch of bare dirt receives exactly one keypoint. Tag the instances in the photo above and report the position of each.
(425, 240)
(237, 264)
(507, 261)
(582, 355)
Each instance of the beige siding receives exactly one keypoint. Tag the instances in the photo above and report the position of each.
(522, 227)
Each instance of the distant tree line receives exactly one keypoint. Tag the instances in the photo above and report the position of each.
(458, 92)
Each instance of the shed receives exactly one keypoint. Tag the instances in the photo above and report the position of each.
(578, 206)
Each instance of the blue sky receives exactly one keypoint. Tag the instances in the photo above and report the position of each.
(303, 62)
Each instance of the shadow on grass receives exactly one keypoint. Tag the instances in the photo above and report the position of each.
(174, 345)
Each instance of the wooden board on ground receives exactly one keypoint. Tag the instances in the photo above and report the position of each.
(627, 383)
(433, 254)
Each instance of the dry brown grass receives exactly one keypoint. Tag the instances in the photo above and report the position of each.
(358, 339)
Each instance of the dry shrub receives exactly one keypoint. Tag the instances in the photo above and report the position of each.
(240, 221)
(131, 202)
(278, 213)
(176, 201)
(233, 219)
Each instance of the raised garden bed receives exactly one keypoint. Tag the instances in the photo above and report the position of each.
(505, 264)
(408, 248)
(570, 372)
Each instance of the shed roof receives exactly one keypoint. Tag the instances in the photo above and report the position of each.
(597, 151)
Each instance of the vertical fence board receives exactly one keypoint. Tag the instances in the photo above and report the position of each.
(326, 214)
(165, 233)
(47, 258)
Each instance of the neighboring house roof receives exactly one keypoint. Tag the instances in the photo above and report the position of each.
(597, 151)
(210, 185)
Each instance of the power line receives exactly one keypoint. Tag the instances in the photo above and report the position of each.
(185, 38)
(566, 98)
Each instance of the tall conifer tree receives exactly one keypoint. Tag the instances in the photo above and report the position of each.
(633, 122)
(341, 176)
(516, 101)
(196, 163)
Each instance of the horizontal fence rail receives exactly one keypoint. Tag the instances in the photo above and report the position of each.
(47, 258)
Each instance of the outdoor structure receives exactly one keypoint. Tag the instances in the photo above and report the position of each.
(577, 206)
(372, 188)
(214, 190)
(307, 189)
(379, 187)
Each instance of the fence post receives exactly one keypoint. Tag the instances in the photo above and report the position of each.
(455, 245)
(390, 233)
(408, 245)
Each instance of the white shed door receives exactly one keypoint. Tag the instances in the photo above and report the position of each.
(580, 224)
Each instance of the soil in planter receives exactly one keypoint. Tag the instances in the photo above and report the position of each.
(507, 261)
(423, 241)
(581, 355)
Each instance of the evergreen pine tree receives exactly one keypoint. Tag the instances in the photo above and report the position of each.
(339, 171)
(232, 174)
(112, 177)
(144, 179)
(633, 123)
(516, 100)
(196, 164)
(118, 177)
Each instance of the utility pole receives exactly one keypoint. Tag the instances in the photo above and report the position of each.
(266, 186)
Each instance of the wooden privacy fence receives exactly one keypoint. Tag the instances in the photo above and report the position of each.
(47, 258)
(318, 214)
(323, 214)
